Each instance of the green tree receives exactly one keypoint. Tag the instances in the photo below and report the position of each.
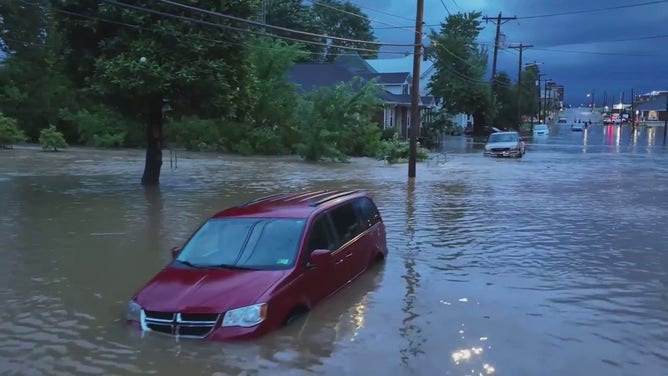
(344, 19)
(32, 88)
(336, 122)
(275, 97)
(293, 14)
(165, 63)
(51, 139)
(10, 134)
(506, 95)
(460, 65)
(529, 90)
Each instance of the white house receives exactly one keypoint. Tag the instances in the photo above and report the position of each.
(427, 70)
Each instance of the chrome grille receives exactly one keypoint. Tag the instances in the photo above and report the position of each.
(195, 325)
(496, 150)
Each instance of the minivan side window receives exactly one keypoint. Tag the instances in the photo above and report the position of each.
(346, 223)
(367, 211)
(321, 236)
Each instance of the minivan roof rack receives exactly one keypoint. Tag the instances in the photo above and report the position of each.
(333, 196)
(277, 195)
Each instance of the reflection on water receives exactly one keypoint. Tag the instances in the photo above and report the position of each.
(495, 266)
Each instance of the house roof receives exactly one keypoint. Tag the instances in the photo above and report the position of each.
(311, 76)
(402, 64)
(396, 78)
(656, 104)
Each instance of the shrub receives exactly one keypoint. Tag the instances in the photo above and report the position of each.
(395, 150)
(195, 134)
(10, 134)
(51, 139)
(100, 126)
(264, 140)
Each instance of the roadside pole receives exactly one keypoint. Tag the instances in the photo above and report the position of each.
(416, 120)
(665, 121)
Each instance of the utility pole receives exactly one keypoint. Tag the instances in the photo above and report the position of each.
(665, 121)
(521, 48)
(415, 90)
(540, 101)
(593, 103)
(633, 112)
(498, 21)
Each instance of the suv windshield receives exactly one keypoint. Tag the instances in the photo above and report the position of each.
(502, 137)
(244, 243)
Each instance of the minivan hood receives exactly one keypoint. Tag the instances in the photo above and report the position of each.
(176, 289)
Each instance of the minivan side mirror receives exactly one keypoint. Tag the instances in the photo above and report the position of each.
(176, 251)
(318, 257)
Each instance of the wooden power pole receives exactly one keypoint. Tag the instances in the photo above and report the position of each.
(415, 90)
(498, 21)
(521, 48)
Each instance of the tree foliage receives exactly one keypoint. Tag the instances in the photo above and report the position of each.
(506, 95)
(460, 65)
(294, 14)
(336, 122)
(51, 139)
(10, 134)
(345, 20)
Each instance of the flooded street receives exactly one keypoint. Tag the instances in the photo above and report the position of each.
(554, 264)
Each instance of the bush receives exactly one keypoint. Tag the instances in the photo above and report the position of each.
(196, 134)
(395, 150)
(265, 141)
(100, 126)
(51, 139)
(10, 134)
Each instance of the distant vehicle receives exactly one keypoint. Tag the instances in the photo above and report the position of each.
(504, 144)
(562, 120)
(253, 268)
(540, 130)
(577, 127)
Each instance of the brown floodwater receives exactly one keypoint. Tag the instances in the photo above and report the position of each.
(555, 264)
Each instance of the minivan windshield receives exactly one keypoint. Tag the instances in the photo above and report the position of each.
(244, 243)
(502, 137)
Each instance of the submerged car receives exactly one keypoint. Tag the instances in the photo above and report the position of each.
(541, 130)
(253, 268)
(504, 144)
(578, 127)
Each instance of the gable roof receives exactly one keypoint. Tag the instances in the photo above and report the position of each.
(402, 64)
(394, 78)
(311, 76)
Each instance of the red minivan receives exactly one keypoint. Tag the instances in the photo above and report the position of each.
(253, 268)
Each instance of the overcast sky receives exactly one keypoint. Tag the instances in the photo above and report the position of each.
(612, 51)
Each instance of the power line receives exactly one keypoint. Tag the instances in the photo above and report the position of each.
(600, 53)
(181, 35)
(362, 16)
(446, 8)
(457, 5)
(592, 10)
(385, 13)
(227, 27)
(280, 28)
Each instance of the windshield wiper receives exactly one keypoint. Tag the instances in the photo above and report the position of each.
(233, 267)
(188, 263)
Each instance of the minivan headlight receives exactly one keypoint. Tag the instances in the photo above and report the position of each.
(133, 312)
(245, 316)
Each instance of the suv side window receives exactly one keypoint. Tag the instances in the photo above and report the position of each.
(367, 211)
(346, 223)
(321, 236)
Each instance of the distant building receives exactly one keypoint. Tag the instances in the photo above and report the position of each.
(653, 110)
(427, 70)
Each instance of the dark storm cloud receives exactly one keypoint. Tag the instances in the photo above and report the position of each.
(605, 50)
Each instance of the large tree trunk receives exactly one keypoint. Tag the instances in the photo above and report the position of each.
(479, 122)
(153, 142)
